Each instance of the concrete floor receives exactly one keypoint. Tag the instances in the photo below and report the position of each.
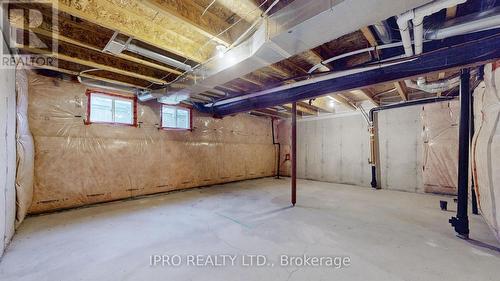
(387, 235)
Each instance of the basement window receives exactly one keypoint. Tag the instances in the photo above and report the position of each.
(111, 109)
(175, 117)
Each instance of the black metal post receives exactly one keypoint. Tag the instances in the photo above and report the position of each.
(461, 221)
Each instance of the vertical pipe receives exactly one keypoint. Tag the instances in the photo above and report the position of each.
(473, 198)
(278, 160)
(294, 153)
(373, 151)
(461, 221)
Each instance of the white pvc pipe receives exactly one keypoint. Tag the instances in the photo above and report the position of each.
(417, 16)
(404, 28)
(426, 10)
(360, 51)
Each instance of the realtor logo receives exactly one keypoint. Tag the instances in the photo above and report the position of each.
(29, 33)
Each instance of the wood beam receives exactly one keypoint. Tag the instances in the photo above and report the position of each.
(451, 12)
(63, 38)
(344, 101)
(401, 88)
(367, 94)
(245, 9)
(319, 104)
(367, 33)
(75, 59)
(87, 75)
(83, 34)
(142, 23)
(190, 14)
(301, 109)
(253, 81)
(310, 107)
(273, 113)
(369, 36)
(316, 59)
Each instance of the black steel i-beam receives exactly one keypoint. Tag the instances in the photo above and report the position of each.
(461, 221)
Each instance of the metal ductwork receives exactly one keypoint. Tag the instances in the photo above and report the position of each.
(383, 31)
(157, 57)
(471, 23)
(298, 27)
(119, 43)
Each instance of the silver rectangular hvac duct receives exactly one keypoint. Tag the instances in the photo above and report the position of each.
(300, 26)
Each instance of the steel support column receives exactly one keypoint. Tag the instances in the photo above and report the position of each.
(461, 221)
(294, 153)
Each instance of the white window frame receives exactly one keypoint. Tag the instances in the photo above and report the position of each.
(176, 108)
(113, 97)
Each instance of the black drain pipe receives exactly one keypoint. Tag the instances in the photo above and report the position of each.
(461, 221)
(373, 128)
(279, 149)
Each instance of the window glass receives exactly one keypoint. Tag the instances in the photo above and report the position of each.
(123, 111)
(168, 117)
(183, 118)
(175, 117)
(101, 109)
(107, 108)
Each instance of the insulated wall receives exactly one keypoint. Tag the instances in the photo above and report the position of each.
(440, 155)
(78, 164)
(7, 152)
(486, 146)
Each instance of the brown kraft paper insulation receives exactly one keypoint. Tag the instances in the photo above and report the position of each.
(486, 146)
(78, 164)
(440, 140)
(25, 149)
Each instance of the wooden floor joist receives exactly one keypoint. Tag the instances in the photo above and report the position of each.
(68, 40)
(401, 88)
(143, 23)
(92, 64)
(87, 75)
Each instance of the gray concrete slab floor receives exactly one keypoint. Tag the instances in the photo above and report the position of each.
(386, 235)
